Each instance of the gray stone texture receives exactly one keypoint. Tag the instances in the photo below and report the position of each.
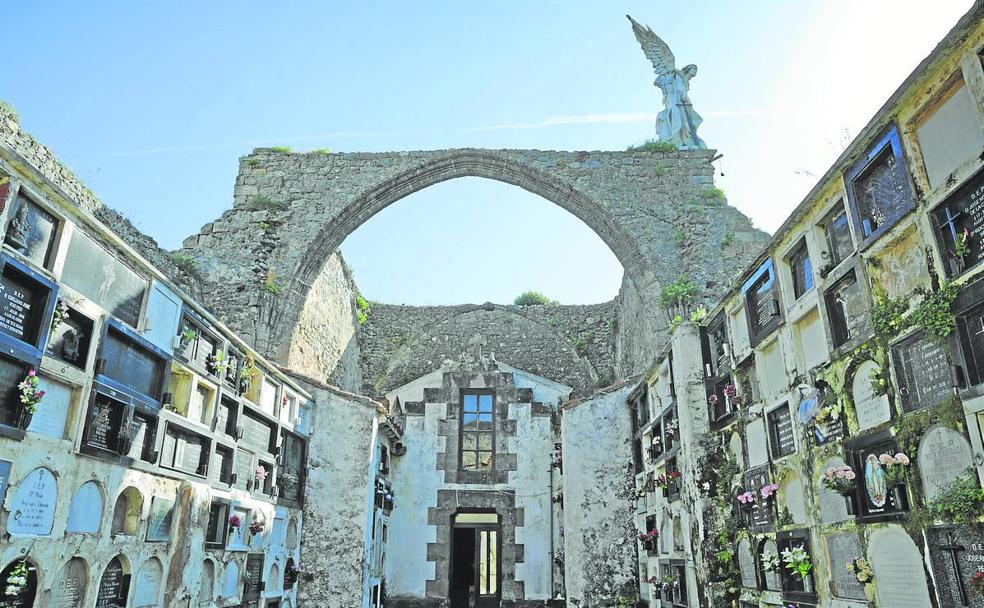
(293, 210)
(574, 345)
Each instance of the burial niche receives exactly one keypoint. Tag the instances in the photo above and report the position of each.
(206, 589)
(230, 581)
(32, 509)
(114, 584)
(68, 591)
(126, 513)
(20, 584)
(148, 584)
(85, 510)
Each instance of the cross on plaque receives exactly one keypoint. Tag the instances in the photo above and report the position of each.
(952, 549)
(951, 222)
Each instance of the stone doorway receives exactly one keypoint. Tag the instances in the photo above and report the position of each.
(475, 561)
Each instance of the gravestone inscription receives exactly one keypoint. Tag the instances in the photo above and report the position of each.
(957, 554)
(21, 303)
(961, 217)
(871, 407)
(256, 433)
(69, 591)
(923, 372)
(760, 512)
(52, 412)
(746, 565)
(253, 576)
(843, 549)
(105, 423)
(32, 509)
(944, 455)
(112, 586)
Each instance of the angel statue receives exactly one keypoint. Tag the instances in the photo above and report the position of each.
(678, 122)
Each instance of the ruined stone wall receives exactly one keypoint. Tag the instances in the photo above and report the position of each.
(600, 561)
(338, 499)
(658, 212)
(325, 344)
(574, 345)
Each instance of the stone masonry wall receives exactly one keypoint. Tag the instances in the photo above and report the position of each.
(600, 560)
(337, 499)
(657, 211)
(574, 345)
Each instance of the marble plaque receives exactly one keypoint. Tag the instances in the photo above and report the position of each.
(257, 433)
(244, 468)
(758, 443)
(85, 510)
(147, 584)
(105, 421)
(962, 210)
(842, 550)
(292, 534)
(52, 413)
(760, 516)
(957, 554)
(112, 591)
(923, 372)
(898, 567)
(872, 409)
(230, 580)
(746, 564)
(132, 365)
(22, 303)
(32, 509)
(944, 455)
(69, 590)
(161, 515)
(833, 507)
(163, 317)
(254, 576)
(99, 276)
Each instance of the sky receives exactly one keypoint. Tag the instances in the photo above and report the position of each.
(152, 104)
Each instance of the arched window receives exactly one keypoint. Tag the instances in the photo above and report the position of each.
(114, 584)
(69, 588)
(19, 582)
(148, 584)
(85, 510)
(126, 513)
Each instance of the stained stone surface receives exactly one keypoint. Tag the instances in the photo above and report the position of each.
(898, 568)
(944, 455)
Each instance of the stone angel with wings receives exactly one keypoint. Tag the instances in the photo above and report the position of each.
(678, 121)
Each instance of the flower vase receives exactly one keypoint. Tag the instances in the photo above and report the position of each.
(900, 496)
(849, 503)
(24, 418)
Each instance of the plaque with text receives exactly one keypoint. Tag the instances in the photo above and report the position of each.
(956, 555)
(22, 303)
(760, 512)
(843, 549)
(253, 577)
(184, 451)
(112, 586)
(923, 372)
(22, 597)
(161, 515)
(290, 478)
(225, 419)
(220, 468)
(105, 423)
(101, 277)
(961, 218)
(257, 433)
(782, 435)
(69, 591)
(244, 469)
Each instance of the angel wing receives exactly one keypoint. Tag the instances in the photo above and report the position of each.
(655, 49)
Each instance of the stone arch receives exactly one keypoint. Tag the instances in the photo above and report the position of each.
(86, 509)
(488, 164)
(126, 512)
(114, 582)
(69, 589)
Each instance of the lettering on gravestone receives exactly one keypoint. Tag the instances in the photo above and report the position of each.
(256, 433)
(923, 372)
(962, 213)
(18, 297)
(843, 549)
(105, 423)
(253, 576)
(760, 511)
(943, 456)
(70, 589)
(132, 365)
(32, 509)
(111, 586)
(957, 554)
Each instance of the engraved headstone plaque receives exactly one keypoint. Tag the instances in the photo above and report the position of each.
(923, 372)
(898, 568)
(69, 590)
(161, 515)
(112, 586)
(843, 549)
(872, 408)
(956, 555)
(944, 455)
(32, 508)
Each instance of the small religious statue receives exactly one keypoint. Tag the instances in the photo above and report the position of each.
(19, 228)
(677, 123)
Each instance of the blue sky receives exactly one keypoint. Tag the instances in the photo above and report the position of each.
(152, 104)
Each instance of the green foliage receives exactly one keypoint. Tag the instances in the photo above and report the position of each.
(653, 145)
(659, 169)
(934, 313)
(728, 240)
(322, 151)
(580, 346)
(680, 292)
(362, 309)
(532, 298)
(698, 314)
(261, 202)
(185, 263)
(886, 316)
(910, 428)
(9, 109)
(961, 502)
(284, 149)
(264, 225)
(252, 162)
(271, 287)
(679, 238)
(676, 321)
(712, 193)
(724, 556)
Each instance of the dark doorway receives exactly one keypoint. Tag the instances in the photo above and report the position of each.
(475, 561)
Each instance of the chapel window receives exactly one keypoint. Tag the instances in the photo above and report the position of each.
(477, 431)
